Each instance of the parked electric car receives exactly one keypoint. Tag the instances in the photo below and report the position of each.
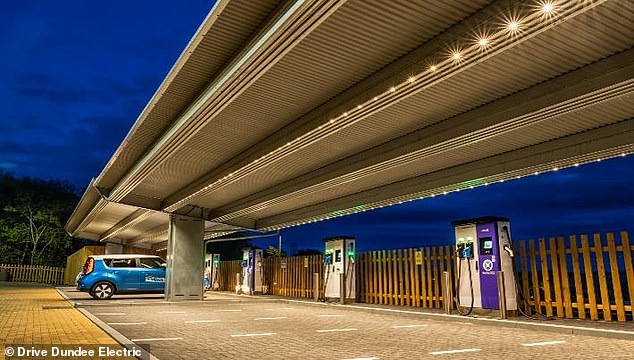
(105, 275)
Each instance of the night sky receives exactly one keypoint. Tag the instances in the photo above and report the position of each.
(76, 74)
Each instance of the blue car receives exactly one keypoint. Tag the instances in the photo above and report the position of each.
(105, 275)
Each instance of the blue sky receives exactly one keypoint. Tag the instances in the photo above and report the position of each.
(76, 74)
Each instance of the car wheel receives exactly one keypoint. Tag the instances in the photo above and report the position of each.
(102, 291)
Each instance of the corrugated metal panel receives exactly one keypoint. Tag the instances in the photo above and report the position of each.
(578, 121)
(353, 44)
(239, 20)
(109, 217)
(312, 73)
(516, 69)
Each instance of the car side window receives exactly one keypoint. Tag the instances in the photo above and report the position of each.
(150, 263)
(120, 263)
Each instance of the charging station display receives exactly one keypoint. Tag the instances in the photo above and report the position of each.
(252, 271)
(339, 258)
(483, 248)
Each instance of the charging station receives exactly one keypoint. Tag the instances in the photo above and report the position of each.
(212, 270)
(252, 271)
(339, 266)
(484, 248)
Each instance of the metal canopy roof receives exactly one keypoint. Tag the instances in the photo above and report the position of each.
(280, 113)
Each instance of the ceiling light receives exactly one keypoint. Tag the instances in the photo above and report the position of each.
(392, 89)
(547, 7)
(456, 55)
(411, 79)
(483, 42)
(432, 68)
(513, 26)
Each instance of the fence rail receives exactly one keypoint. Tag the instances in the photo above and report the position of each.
(559, 277)
(34, 273)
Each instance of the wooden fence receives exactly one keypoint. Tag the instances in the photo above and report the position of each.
(564, 278)
(34, 273)
(573, 278)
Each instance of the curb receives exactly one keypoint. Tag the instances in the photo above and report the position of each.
(515, 324)
(117, 336)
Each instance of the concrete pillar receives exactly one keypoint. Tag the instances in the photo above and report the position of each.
(185, 259)
(112, 248)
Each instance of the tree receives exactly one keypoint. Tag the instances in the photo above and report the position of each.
(32, 217)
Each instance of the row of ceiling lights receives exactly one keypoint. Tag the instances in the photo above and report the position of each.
(513, 26)
(445, 190)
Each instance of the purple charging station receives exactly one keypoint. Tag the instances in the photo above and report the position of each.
(488, 263)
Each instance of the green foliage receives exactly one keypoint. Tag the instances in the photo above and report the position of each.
(32, 217)
(272, 251)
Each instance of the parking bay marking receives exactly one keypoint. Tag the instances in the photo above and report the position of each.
(246, 335)
(272, 318)
(336, 330)
(453, 351)
(408, 326)
(200, 321)
(156, 339)
(545, 343)
(170, 312)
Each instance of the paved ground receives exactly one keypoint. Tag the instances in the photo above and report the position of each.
(31, 314)
(229, 327)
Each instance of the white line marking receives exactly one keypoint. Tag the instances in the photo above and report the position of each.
(170, 312)
(545, 343)
(200, 321)
(156, 339)
(464, 323)
(335, 330)
(284, 308)
(229, 310)
(453, 351)
(271, 318)
(108, 314)
(244, 335)
(330, 315)
(127, 323)
(408, 326)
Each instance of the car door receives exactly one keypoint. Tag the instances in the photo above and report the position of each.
(153, 274)
(126, 273)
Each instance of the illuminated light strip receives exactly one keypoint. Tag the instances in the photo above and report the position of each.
(454, 143)
(184, 128)
(423, 80)
(514, 174)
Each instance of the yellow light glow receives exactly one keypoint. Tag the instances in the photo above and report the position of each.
(548, 7)
(483, 42)
(456, 55)
(392, 89)
(432, 68)
(513, 26)
(411, 79)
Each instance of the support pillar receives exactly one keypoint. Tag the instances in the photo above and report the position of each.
(185, 259)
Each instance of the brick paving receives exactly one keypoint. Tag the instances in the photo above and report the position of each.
(35, 315)
(229, 327)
